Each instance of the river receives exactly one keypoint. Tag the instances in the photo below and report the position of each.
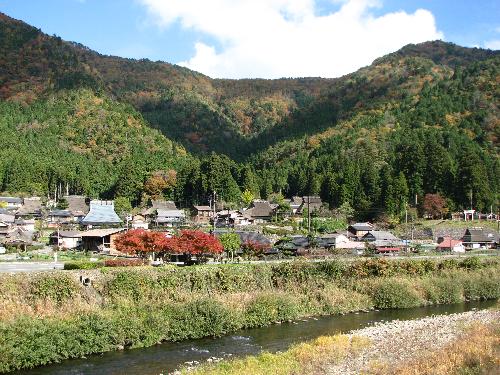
(164, 358)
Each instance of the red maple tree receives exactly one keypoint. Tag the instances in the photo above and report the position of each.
(434, 205)
(141, 242)
(194, 242)
(254, 248)
(187, 242)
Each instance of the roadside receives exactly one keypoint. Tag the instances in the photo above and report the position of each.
(13, 267)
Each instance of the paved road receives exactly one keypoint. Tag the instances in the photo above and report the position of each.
(29, 266)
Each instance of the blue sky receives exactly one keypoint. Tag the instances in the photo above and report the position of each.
(261, 38)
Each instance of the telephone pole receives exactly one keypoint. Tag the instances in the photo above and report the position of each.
(214, 200)
(309, 214)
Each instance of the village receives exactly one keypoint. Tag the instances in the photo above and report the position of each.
(80, 224)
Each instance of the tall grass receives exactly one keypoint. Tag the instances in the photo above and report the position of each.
(48, 317)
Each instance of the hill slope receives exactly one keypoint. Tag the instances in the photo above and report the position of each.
(424, 119)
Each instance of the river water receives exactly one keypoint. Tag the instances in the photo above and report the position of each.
(164, 358)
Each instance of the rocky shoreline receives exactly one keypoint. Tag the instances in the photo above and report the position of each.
(396, 342)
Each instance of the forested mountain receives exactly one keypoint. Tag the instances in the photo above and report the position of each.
(424, 119)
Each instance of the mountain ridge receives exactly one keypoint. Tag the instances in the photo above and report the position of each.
(346, 139)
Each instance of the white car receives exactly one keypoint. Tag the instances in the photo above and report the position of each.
(3, 250)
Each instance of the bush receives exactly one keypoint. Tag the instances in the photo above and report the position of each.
(131, 284)
(56, 287)
(471, 263)
(82, 265)
(201, 318)
(443, 290)
(124, 262)
(483, 286)
(449, 264)
(268, 308)
(394, 294)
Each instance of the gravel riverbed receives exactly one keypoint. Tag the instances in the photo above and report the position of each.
(395, 342)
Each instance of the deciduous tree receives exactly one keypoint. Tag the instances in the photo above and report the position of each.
(434, 205)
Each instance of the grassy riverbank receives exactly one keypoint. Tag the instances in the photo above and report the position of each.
(48, 317)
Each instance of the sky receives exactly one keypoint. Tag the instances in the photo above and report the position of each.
(262, 38)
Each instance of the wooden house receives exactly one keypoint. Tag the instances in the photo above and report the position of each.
(101, 240)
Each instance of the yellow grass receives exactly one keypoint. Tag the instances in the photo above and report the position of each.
(477, 351)
(306, 358)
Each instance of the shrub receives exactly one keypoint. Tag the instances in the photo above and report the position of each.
(448, 264)
(131, 284)
(124, 262)
(269, 308)
(471, 263)
(199, 318)
(56, 287)
(483, 286)
(394, 294)
(443, 290)
(82, 265)
(371, 267)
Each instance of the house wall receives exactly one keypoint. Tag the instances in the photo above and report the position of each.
(140, 225)
(69, 243)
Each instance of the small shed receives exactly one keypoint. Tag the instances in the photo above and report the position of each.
(358, 230)
(170, 217)
(101, 240)
(139, 222)
(449, 244)
(66, 239)
(202, 214)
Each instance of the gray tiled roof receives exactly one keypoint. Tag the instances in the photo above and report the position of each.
(7, 219)
(11, 200)
(101, 212)
(67, 234)
(380, 235)
(362, 226)
(60, 213)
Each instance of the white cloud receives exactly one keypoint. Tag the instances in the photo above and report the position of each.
(492, 44)
(286, 38)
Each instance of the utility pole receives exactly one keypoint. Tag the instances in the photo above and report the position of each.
(214, 200)
(406, 213)
(309, 214)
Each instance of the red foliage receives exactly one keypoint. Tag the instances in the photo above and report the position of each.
(194, 242)
(140, 242)
(124, 262)
(434, 205)
(254, 248)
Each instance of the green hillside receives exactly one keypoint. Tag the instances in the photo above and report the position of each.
(424, 119)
